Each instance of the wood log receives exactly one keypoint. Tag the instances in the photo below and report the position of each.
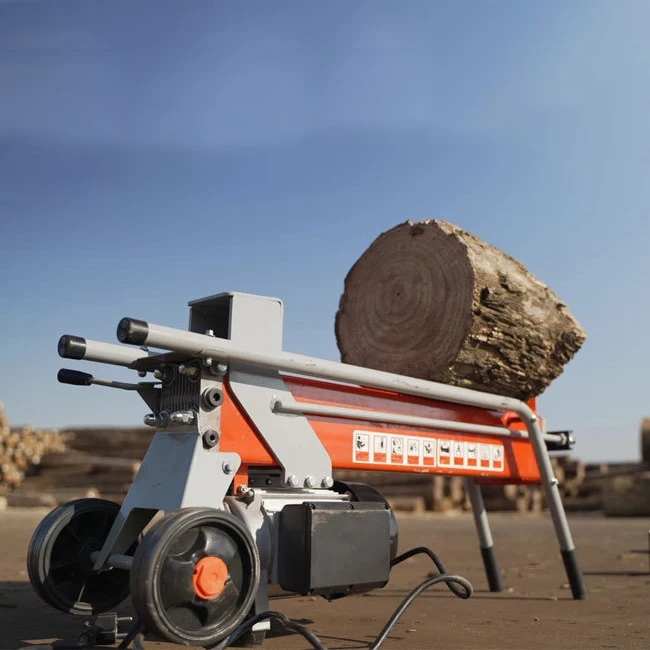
(115, 442)
(31, 500)
(414, 505)
(645, 440)
(628, 496)
(432, 301)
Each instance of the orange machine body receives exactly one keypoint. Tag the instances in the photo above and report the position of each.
(359, 444)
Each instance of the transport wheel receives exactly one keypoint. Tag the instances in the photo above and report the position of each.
(195, 576)
(59, 564)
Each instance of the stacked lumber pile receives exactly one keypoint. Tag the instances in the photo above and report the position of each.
(22, 450)
(439, 493)
(125, 442)
(74, 475)
(98, 462)
(617, 489)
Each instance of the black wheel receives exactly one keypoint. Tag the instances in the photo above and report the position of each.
(59, 564)
(195, 576)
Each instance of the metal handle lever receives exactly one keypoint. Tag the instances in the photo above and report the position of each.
(74, 377)
(77, 378)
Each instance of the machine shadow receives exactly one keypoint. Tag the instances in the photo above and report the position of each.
(627, 574)
(26, 621)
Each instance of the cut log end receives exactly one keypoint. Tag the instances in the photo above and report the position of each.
(413, 286)
(431, 301)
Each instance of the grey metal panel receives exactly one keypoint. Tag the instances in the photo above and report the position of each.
(246, 319)
(293, 442)
(256, 322)
(176, 472)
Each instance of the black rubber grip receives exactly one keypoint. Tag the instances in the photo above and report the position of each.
(492, 569)
(72, 347)
(74, 377)
(132, 331)
(574, 573)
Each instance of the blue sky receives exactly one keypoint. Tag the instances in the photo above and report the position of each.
(156, 152)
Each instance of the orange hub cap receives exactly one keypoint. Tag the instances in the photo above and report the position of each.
(210, 576)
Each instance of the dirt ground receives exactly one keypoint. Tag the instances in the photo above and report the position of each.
(534, 611)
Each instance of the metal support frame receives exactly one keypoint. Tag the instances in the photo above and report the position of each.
(484, 535)
(223, 350)
(176, 472)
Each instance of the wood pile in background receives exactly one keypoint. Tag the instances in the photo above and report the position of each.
(45, 468)
(22, 450)
(76, 463)
(599, 486)
(73, 475)
(115, 442)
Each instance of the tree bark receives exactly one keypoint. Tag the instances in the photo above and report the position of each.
(432, 301)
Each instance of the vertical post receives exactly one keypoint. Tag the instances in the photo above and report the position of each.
(552, 493)
(484, 535)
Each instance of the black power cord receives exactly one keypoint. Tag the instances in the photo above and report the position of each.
(459, 586)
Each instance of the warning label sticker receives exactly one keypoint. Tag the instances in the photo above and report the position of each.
(444, 452)
(472, 454)
(484, 455)
(393, 449)
(497, 456)
(362, 447)
(397, 450)
(459, 454)
(429, 452)
(413, 451)
(380, 448)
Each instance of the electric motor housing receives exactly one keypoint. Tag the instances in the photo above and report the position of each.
(334, 549)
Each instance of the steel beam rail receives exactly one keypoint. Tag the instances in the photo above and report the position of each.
(115, 560)
(306, 408)
(203, 346)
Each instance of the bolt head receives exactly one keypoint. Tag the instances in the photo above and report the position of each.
(327, 482)
(310, 482)
(293, 481)
(228, 468)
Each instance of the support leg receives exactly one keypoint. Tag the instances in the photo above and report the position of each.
(552, 493)
(484, 535)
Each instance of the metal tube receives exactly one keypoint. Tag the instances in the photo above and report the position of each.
(304, 408)
(203, 346)
(480, 515)
(484, 535)
(115, 560)
(301, 408)
(113, 384)
(76, 347)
